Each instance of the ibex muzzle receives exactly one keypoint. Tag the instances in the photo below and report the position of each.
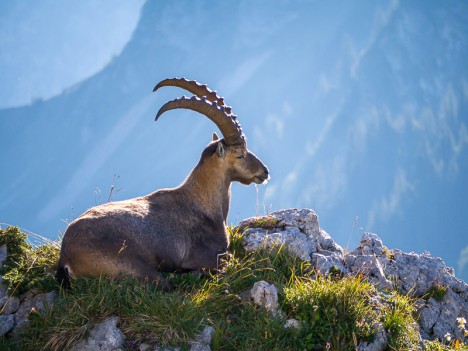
(179, 229)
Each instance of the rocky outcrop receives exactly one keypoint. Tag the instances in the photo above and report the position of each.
(299, 232)
(442, 297)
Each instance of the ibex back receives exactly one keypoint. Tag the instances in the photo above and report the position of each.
(179, 229)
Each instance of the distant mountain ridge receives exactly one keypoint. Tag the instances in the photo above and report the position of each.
(349, 109)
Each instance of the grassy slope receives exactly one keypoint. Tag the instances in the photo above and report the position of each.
(335, 313)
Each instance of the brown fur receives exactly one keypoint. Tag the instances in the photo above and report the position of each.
(180, 229)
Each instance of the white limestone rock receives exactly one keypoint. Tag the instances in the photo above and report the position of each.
(325, 263)
(265, 295)
(104, 336)
(297, 230)
(292, 323)
(379, 343)
(292, 239)
(203, 340)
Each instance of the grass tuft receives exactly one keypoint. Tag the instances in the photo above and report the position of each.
(334, 313)
(399, 322)
(265, 222)
(27, 266)
(437, 292)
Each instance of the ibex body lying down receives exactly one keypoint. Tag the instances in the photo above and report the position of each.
(180, 229)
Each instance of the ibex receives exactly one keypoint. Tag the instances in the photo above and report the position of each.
(169, 230)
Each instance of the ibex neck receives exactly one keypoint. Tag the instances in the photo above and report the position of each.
(211, 187)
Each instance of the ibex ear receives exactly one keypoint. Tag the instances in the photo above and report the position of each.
(215, 137)
(220, 150)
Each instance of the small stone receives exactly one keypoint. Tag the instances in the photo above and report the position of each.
(144, 347)
(203, 340)
(104, 336)
(205, 336)
(265, 295)
(6, 324)
(10, 305)
(292, 323)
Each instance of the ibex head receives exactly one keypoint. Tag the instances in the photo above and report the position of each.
(238, 162)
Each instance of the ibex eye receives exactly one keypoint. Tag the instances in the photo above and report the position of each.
(241, 156)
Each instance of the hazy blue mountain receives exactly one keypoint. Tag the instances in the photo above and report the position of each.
(359, 110)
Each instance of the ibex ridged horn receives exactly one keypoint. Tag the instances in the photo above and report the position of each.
(195, 88)
(226, 122)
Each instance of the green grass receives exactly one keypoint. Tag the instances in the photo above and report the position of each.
(147, 314)
(437, 292)
(399, 322)
(28, 266)
(265, 222)
(335, 313)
